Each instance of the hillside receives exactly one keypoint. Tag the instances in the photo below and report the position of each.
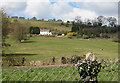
(45, 24)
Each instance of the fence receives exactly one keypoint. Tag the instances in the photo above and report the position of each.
(58, 73)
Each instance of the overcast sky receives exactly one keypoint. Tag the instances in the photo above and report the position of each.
(65, 10)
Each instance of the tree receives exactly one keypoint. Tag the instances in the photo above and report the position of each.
(5, 25)
(88, 21)
(31, 30)
(54, 19)
(78, 19)
(68, 22)
(112, 21)
(34, 18)
(20, 31)
(95, 22)
(101, 20)
(36, 30)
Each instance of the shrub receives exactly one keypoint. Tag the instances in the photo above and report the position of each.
(59, 33)
(34, 30)
(89, 70)
(65, 33)
(15, 60)
(67, 25)
(31, 30)
(62, 23)
(85, 37)
(63, 60)
(71, 34)
(74, 59)
(116, 40)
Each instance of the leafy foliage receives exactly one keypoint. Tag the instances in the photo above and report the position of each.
(5, 25)
(34, 30)
(89, 70)
(71, 34)
(93, 30)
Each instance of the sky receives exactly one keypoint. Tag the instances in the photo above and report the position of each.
(60, 9)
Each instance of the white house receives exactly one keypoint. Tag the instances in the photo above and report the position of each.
(45, 32)
(63, 34)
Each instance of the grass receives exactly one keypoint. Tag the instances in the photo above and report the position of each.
(44, 24)
(65, 73)
(44, 48)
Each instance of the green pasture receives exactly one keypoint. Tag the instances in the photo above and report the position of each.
(42, 48)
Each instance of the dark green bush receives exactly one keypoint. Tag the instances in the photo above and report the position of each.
(89, 70)
(63, 60)
(59, 33)
(34, 30)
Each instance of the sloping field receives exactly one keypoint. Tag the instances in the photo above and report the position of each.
(45, 24)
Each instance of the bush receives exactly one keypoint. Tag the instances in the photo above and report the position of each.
(85, 37)
(71, 34)
(31, 30)
(65, 33)
(116, 40)
(89, 70)
(74, 59)
(59, 33)
(63, 60)
(67, 25)
(15, 60)
(34, 30)
(62, 23)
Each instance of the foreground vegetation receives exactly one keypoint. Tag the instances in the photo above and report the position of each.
(60, 73)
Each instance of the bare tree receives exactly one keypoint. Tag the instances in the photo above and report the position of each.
(20, 31)
(88, 21)
(101, 20)
(95, 22)
(78, 19)
(112, 21)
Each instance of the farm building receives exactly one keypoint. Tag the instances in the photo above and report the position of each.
(45, 32)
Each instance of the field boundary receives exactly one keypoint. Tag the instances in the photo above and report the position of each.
(41, 66)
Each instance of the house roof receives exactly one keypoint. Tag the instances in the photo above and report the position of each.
(45, 30)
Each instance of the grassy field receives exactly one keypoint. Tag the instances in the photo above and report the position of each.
(40, 48)
(44, 24)
(44, 48)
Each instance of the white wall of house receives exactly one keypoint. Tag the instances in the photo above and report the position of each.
(45, 33)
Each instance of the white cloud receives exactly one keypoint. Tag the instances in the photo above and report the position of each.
(12, 7)
(38, 9)
(101, 8)
(60, 9)
(67, 12)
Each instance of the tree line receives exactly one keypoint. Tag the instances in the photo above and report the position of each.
(95, 28)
